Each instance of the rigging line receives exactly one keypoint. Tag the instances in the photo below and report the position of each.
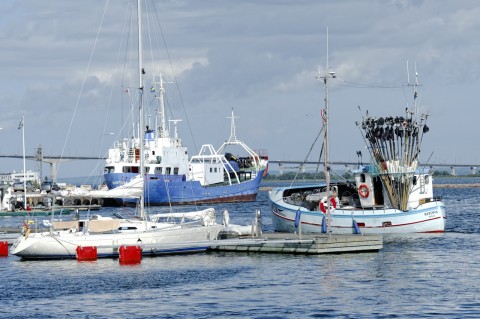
(124, 88)
(83, 84)
(319, 161)
(365, 85)
(150, 41)
(308, 154)
(175, 79)
(109, 104)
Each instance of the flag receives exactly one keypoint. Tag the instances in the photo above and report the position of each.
(20, 125)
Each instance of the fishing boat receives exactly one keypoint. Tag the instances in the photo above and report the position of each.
(108, 234)
(393, 194)
(211, 176)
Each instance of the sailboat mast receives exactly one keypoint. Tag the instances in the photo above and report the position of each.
(325, 117)
(22, 124)
(140, 104)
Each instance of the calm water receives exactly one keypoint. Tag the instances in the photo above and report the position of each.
(417, 276)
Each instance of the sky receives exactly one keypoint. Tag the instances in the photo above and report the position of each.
(64, 67)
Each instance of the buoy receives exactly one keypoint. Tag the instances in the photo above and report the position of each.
(363, 190)
(324, 225)
(298, 215)
(323, 202)
(356, 228)
(3, 248)
(87, 253)
(130, 255)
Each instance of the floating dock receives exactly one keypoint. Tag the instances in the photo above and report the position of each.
(313, 244)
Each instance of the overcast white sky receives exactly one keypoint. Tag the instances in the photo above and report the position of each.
(259, 57)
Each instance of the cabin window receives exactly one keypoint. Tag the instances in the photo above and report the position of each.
(168, 170)
(215, 169)
(158, 170)
(175, 170)
(130, 169)
(414, 180)
(211, 170)
(109, 169)
(153, 152)
(362, 178)
(146, 169)
(427, 181)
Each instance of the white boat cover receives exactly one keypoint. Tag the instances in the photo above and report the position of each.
(132, 189)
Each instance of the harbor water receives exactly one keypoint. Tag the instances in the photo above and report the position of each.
(413, 276)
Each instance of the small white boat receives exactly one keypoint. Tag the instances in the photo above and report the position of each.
(108, 234)
(391, 195)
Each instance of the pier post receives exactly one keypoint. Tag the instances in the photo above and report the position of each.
(257, 228)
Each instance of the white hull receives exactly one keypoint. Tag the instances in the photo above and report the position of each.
(426, 218)
(161, 241)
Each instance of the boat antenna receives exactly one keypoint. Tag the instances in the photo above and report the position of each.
(158, 88)
(233, 135)
(408, 75)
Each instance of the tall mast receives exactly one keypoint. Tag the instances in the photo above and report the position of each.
(140, 106)
(22, 126)
(325, 115)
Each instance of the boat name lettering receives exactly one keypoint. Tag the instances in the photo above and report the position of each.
(430, 213)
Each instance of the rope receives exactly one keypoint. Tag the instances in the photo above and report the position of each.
(83, 83)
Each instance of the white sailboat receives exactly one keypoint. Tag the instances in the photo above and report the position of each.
(109, 233)
(391, 195)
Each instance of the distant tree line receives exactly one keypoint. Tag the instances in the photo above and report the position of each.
(335, 176)
(305, 176)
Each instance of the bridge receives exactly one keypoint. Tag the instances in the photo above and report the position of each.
(301, 165)
(52, 160)
(55, 160)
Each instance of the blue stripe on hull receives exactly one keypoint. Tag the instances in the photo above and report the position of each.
(174, 189)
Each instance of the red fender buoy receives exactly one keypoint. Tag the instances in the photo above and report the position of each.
(333, 202)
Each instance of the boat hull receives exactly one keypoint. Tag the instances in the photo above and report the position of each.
(175, 190)
(426, 218)
(63, 245)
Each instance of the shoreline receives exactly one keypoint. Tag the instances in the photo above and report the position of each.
(473, 185)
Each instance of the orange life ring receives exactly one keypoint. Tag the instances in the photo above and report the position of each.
(363, 190)
(322, 204)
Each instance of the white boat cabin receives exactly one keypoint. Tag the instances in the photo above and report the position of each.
(372, 193)
(207, 167)
(162, 156)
